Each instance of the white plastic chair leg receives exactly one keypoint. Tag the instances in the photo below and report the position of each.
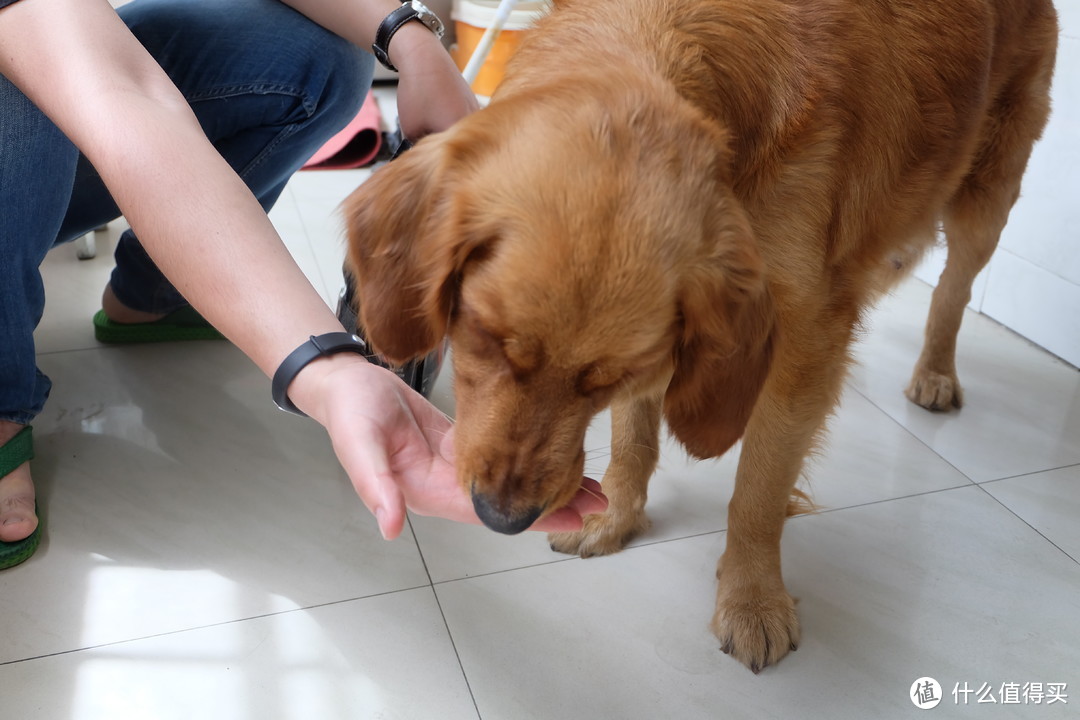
(86, 246)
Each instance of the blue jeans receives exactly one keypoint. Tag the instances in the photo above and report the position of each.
(268, 86)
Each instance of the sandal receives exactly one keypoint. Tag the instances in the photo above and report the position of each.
(182, 324)
(18, 450)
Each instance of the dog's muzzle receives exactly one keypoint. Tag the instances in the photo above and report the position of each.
(501, 521)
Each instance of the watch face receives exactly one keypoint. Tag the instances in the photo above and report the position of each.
(429, 18)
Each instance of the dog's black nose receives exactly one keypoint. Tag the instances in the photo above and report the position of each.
(499, 521)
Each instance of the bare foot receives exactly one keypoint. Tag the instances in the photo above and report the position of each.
(17, 518)
(120, 313)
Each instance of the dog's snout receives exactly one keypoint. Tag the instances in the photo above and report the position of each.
(509, 522)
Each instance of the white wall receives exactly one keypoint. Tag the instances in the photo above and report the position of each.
(1032, 284)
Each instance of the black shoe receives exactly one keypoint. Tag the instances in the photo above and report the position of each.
(419, 374)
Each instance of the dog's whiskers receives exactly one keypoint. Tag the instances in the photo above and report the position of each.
(592, 492)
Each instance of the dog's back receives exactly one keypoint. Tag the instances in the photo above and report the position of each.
(851, 124)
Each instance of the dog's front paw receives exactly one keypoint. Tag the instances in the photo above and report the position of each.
(934, 391)
(602, 534)
(756, 626)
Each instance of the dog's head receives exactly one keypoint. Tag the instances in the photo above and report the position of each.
(574, 245)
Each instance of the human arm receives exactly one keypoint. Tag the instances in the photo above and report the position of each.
(431, 92)
(76, 60)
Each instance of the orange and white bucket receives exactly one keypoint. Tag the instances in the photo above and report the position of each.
(472, 18)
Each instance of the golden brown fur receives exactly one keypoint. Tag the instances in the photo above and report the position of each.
(682, 209)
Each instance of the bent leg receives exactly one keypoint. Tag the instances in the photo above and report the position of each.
(36, 174)
(268, 86)
(971, 237)
(974, 220)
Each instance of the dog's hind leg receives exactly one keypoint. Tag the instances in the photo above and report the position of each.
(635, 449)
(971, 234)
(974, 219)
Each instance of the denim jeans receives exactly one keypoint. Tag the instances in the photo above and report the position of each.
(268, 86)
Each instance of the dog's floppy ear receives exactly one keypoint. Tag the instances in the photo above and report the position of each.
(400, 235)
(726, 347)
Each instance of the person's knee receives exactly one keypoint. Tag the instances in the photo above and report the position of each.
(263, 43)
(346, 73)
(35, 181)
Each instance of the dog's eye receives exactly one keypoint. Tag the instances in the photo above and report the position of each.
(523, 355)
(596, 379)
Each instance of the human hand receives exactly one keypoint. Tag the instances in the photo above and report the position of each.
(432, 95)
(398, 450)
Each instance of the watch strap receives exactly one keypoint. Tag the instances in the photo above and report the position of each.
(390, 25)
(298, 359)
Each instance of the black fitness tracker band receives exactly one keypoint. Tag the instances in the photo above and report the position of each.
(298, 359)
(410, 10)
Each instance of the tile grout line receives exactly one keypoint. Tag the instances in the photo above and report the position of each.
(824, 511)
(442, 614)
(559, 560)
(922, 442)
(210, 625)
(976, 483)
(1021, 519)
(907, 430)
(432, 584)
(705, 533)
(119, 346)
(1029, 473)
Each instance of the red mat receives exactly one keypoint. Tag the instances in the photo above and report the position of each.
(356, 145)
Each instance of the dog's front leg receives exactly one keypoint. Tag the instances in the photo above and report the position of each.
(755, 618)
(635, 449)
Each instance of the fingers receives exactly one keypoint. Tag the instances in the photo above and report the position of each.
(562, 520)
(390, 511)
(399, 455)
(367, 463)
(589, 500)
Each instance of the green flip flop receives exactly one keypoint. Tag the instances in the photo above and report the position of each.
(183, 324)
(14, 453)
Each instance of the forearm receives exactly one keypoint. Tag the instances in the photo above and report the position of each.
(354, 20)
(432, 95)
(357, 21)
(205, 230)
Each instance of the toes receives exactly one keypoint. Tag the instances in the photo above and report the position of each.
(17, 516)
(565, 542)
(17, 519)
(757, 631)
(935, 391)
(601, 534)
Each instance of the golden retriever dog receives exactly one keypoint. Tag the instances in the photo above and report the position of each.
(680, 210)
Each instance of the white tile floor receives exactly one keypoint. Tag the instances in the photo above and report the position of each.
(205, 557)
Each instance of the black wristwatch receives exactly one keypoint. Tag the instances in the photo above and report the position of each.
(410, 10)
